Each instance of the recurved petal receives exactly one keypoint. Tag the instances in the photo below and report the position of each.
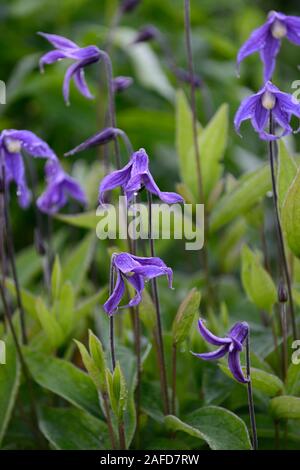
(31, 143)
(246, 110)
(111, 305)
(114, 180)
(15, 169)
(210, 337)
(81, 84)
(293, 29)
(268, 55)
(68, 76)
(260, 117)
(234, 365)
(60, 42)
(214, 355)
(50, 58)
(255, 42)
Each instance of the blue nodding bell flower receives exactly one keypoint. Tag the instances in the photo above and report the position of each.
(258, 108)
(136, 270)
(267, 40)
(231, 344)
(83, 56)
(12, 144)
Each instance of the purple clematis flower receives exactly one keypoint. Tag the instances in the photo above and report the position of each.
(133, 177)
(59, 187)
(66, 49)
(136, 270)
(232, 345)
(127, 6)
(258, 108)
(145, 34)
(267, 40)
(12, 143)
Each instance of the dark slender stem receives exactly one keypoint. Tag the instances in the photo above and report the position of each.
(174, 367)
(111, 102)
(11, 256)
(164, 383)
(282, 254)
(284, 330)
(122, 436)
(111, 318)
(187, 22)
(109, 421)
(250, 395)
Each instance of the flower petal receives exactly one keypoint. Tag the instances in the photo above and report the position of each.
(50, 58)
(255, 42)
(246, 110)
(81, 84)
(60, 42)
(268, 55)
(213, 355)
(115, 179)
(15, 170)
(111, 305)
(31, 143)
(210, 337)
(260, 117)
(235, 366)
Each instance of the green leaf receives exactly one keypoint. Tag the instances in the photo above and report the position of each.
(290, 215)
(78, 262)
(73, 429)
(117, 391)
(263, 381)
(90, 365)
(285, 407)
(49, 324)
(56, 278)
(212, 144)
(146, 63)
(247, 192)
(9, 384)
(219, 428)
(185, 143)
(87, 306)
(98, 356)
(65, 308)
(87, 220)
(287, 170)
(63, 379)
(185, 316)
(293, 380)
(257, 282)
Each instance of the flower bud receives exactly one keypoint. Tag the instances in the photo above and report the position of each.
(101, 138)
(282, 293)
(145, 34)
(268, 100)
(121, 83)
(129, 5)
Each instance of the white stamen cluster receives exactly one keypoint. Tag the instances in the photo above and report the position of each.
(278, 29)
(13, 145)
(268, 100)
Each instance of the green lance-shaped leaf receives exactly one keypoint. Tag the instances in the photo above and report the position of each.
(94, 361)
(293, 380)
(219, 428)
(287, 170)
(9, 384)
(185, 316)
(56, 278)
(49, 324)
(64, 309)
(267, 383)
(28, 299)
(290, 215)
(257, 282)
(117, 391)
(244, 195)
(285, 407)
(212, 144)
(185, 143)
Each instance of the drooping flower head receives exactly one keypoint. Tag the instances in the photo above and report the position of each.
(135, 270)
(83, 56)
(232, 345)
(145, 34)
(133, 177)
(127, 6)
(267, 40)
(12, 144)
(60, 186)
(258, 107)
